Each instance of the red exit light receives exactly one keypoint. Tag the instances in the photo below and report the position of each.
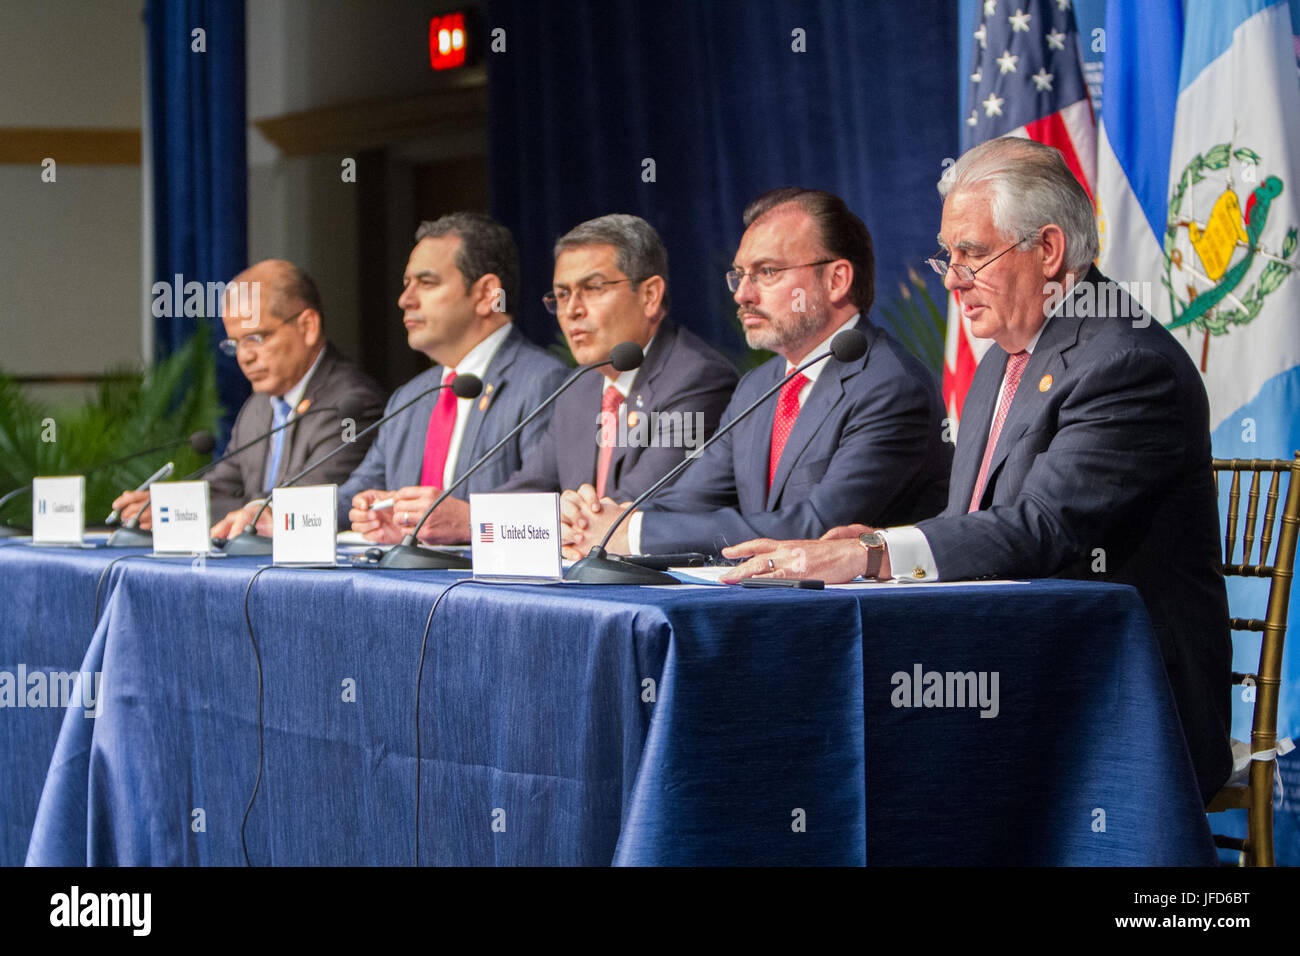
(447, 41)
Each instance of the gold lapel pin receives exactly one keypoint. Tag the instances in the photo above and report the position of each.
(1045, 383)
(302, 406)
(632, 419)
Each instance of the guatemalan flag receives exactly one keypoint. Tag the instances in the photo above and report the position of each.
(1026, 80)
(1199, 204)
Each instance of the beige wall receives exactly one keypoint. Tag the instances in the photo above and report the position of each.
(70, 259)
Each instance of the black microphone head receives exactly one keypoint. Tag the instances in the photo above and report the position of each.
(467, 386)
(203, 442)
(849, 345)
(626, 356)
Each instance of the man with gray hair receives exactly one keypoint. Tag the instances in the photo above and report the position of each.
(459, 292)
(618, 433)
(1084, 449)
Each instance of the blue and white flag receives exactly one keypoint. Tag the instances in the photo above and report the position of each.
(1198, 199)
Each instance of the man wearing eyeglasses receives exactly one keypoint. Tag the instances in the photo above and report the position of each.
(620, 432)
(840, 440)
(274, 321)
(1084, 449)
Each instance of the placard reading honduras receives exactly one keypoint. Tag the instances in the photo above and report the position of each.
(515, 535)
(58, 510)
(181, 522)
(304, 524)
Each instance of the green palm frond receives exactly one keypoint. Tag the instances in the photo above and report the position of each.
(131, 410)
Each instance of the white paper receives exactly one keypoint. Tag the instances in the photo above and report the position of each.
(58, 510)
(515, 535)
(304, 524)
(181, 522)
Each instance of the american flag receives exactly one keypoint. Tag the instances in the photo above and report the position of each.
(1026, 80)
(485, 535)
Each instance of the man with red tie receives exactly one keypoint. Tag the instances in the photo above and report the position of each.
(459, 291)
(1085, 445)
(618, 433)
(839, 440)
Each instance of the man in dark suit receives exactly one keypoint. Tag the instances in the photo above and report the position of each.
(622, 432)
(274, 321)
(458, 295)
(1084, 448)
(839, 443)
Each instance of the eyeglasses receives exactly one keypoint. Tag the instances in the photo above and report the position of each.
(253, 339)
(557, 299)
(964, 272)
(766, 275)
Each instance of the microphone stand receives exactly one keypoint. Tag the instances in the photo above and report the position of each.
(410, 554)
(131, 535)
(249, 542)
(600, 567)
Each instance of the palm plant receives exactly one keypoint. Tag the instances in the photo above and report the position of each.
(131, 410)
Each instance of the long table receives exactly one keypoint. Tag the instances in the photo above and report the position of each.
(569, 724)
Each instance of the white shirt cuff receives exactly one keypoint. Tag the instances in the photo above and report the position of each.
(634, 533)
(910, 558)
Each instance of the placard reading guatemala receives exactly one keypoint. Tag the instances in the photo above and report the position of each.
(180, 517)
(305, 523)
(515, 535)
(58, 510)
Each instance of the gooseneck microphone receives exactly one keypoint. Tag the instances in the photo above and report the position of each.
(598, 567)
(201, 441)
(131, 535)
(410, 554)
(249, 542)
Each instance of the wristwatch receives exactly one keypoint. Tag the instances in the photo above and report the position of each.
(873, 542)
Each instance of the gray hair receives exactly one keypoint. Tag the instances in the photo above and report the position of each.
(1029, 187)
(640, 251)
(486, 246)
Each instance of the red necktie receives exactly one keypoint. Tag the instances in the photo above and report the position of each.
(437, 441)
(787, 410)
(1015, 367)
(609, 403)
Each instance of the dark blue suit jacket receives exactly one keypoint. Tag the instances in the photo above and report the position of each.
(682, 383)
(1104, 464)
(519, 376)
(867, 446)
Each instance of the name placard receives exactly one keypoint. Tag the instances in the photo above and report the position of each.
(58, 510)
(515, 535)
(304, 524)
(181, 523)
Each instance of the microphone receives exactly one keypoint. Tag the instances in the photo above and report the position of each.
(598, 567)
(131, 535)
(201, 441)
(249, 542)
(411, 554)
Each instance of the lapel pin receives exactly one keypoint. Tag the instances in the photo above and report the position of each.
(1045, 383)
(632, 418)
(483, 404)
(302, 406)
(487, 389)
(639, 403)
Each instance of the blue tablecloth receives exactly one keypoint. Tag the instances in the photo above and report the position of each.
(580, 725)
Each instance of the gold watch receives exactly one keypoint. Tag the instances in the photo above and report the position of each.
(873, 542)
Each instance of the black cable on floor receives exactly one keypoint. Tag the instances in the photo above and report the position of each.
(257, 657)
(419, 676)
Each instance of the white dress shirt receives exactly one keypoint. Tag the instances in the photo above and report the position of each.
(475, 362)
(908, 547)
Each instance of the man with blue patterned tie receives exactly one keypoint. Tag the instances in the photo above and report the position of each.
(273, 317)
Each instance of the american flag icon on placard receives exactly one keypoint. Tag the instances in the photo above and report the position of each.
(485, 535)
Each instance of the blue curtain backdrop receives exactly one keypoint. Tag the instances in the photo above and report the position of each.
(200, 172)
(717, 96)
